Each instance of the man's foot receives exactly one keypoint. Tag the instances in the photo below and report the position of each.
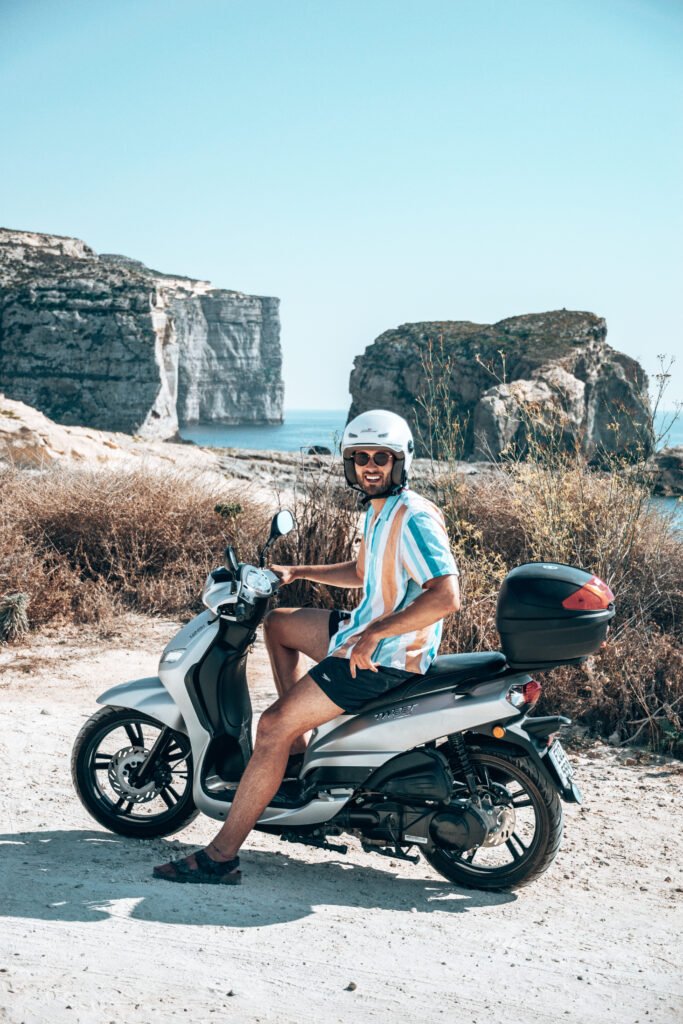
(200, 868)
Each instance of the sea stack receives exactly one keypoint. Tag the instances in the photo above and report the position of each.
(554, 369)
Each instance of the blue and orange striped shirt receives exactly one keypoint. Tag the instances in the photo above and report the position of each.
(402, 548)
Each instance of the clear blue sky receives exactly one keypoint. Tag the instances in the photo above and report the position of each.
(370, 162)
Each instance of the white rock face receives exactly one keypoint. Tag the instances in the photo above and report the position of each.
(552, 401)
(105, 342)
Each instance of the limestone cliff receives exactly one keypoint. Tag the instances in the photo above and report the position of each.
(555, 369)
(105, 342)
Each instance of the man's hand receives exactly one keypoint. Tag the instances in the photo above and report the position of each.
(361, 655)
(287, 573)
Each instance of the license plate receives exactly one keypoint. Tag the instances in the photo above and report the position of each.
(561, 762)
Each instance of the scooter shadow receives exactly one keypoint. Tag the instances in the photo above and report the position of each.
(93, 876)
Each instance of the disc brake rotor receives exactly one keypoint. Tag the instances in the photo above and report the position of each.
(504, 818)
(501, 815)
(125, 761)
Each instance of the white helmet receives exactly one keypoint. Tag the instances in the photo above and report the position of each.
(379, 428)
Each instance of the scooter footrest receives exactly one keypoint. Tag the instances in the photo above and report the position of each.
(322, 844)
(387, 851)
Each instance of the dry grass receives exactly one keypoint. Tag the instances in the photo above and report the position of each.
(86, 544)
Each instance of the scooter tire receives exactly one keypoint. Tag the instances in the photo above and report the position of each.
(102, 809)
(546, 841)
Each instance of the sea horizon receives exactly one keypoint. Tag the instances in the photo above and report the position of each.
(302, 428)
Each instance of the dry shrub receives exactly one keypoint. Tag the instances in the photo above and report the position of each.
(85, 544)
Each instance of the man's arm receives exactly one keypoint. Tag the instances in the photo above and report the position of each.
(341, 574)
(440, 597)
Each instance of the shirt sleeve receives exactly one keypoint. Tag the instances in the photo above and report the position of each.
(426, 551)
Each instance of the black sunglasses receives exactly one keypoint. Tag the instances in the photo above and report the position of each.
(379, 458)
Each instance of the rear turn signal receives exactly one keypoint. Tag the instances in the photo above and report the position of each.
(591, 597)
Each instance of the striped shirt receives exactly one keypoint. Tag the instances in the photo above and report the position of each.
(403, 547)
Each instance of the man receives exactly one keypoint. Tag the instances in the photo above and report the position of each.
(409, 581)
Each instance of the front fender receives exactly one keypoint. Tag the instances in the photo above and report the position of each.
(148, 695)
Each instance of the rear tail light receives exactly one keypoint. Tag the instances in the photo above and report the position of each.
(591, 597)
(526, 695)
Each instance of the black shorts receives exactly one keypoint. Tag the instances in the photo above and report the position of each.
(333, 676)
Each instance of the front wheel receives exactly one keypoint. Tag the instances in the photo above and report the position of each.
(528, 836)
(109, 750)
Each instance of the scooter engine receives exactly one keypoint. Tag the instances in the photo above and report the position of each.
(460, 829)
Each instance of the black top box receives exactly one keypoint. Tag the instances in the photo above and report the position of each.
(550, 614)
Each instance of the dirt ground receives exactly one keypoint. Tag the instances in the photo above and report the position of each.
(87, 935)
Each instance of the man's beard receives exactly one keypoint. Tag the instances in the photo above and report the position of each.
(376, 488)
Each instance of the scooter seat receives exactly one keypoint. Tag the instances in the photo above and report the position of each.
(449, 672)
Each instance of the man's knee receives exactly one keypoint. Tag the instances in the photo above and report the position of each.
(272, 727)
(274, 623)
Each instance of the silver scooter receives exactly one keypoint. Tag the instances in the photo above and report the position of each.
(447, 764)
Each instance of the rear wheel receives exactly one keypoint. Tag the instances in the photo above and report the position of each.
(529, 815)
(109, 750)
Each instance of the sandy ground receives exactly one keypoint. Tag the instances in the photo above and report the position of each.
(87, 935)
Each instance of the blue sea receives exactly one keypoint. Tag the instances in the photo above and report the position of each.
(301, 427)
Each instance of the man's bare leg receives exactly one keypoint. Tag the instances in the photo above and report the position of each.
(290, 633)
(305, 707)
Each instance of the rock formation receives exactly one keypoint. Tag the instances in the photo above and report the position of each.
(666, 467)
(105, 342)
(550, 374)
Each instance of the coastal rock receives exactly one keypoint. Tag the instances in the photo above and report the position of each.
(551, 403)
(105, 342)
(554, 370)
(31, 441)
(667, 470)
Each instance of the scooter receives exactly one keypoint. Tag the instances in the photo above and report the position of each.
(451, 763)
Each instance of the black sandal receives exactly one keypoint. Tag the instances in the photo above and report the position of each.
(208, 872)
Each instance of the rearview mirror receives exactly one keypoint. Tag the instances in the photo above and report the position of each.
(283, 523)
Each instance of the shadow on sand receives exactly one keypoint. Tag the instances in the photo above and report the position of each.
(87, 876)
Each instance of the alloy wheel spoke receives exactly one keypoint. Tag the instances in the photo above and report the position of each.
(124, 805)
(102, 761)
(525, 801)
(176, 757)
(169, 796)
(516, 846)
(134, 732)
